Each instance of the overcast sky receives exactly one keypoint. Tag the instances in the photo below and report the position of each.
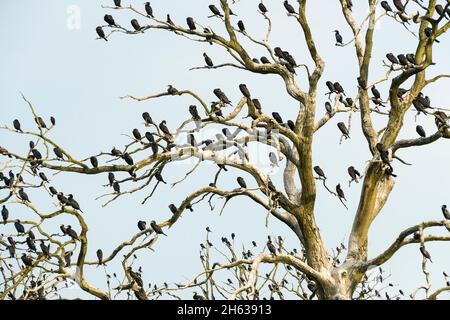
(66, 73)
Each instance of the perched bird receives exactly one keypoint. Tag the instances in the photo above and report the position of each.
(375, 92)
(37, 155)
(45, 249)
(208, 60)
(100, 256)
(425, 253)
(191, 23)
(40, 122)
(58, 153)
(156, 228)
(362, 83)
(392, 58)
(338, 88)
(149, 9)
(421, 131)
(245, 91)
(385, 5)
(23, 196)
(19, 227)
(328, 107)
(116, 187)
(221, 96)
(440, 10)
(194, 112)
(215, 11)
(142, 225)
(150, 137)
(320, 172)
(17, 126)
(241, 26)
(5, 214)
(27, 261)
(291, 125)
(264, 60)
(342, 127)
(73, 203)
(30, 244)
(147, 118)
(117, 3)
(169, 21)
(340, 192)
(171, 90)
(354, 174)
(242, 183)
(402, 60)
(111, 178)
(445, 212)
(399, 5)
(290, 9)
(277, 117)
(339, 39)
(94, 161)
(135, 277)
(135, 24)
(173, 208)
(262, 7)
(43, 176)
(71, 233)
(411, 58)
(271, 248)
(198, 297)
(109, 20)
(128, 159)
(101, 33)
(115, 152)
(53, 191)
(137, 135)
(162, 126)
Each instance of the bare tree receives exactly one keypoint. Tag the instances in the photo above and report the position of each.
(312, 270)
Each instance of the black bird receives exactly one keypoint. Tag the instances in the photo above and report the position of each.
(221, 96)
(385, 5)
(392, 58)
(169, 21)
(445, 212)
(109, 20)
(277, 117)
(16, 125)
(344, 130)
(142, 225)
(100, 256)
(330, 86)
(37, 155)
(156, 228)
(53, 191)
(194, 112)
(30, 244)
(215, 11)
(58, 153)
(328, 107)
(94, 161)
(159, 176)
(403, 61)
(73, 203)
(208, 60)
(150, 137)
(128, 159)
(43, 176)
(191, 23)
(362, 83)
(340, 192)
(290, 9)
(23, 196)
(271, 248)
(354, 174)
(264, 60)
(101, 33)
(421, 131)
(173, 208)
(425, 253)
(111, 178)
(116, 187)
(45, 249)
(67, 258)
(338, 88)
(429, 32)
(137, 135)
(115, 152)
(440, 10)
(262, 7)
(19, 227)
(339, 39)
(135, 24)
(196, 296)
(63, 229)
(53, 121)
(40, 122)
(320, 172)
(27, 261)
(245, 91)
(117, 3)
(241, 26)
(147, 118)
(375, 92)
(242, 183)
(291, 125)
(5, 214)
(149, 9)
(71, 233)
(164, 129)
(171, 90)
(399, 5)
(411, 58)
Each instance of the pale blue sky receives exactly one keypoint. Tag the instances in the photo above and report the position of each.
(67, 74)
